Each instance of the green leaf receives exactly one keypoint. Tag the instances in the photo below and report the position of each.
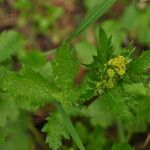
(121, 146)
(93, 15)
(85, 52)
(28, 86)
(10, 43)
(65, 68)
(55, 130)
(104, 54)
(113, 27)
(15, 135)
(8, 110)
(104, 51)
(99, 113)
(143, 62)
(138, 66)
(34, 58)
(70, 127)
(93, 139)
(121, 104)
(137, 89)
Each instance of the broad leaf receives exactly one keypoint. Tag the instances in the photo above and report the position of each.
(28, 86)
(64, 68)
(10, 43)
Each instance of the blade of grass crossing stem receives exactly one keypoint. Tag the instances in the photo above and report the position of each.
(70, 127)
(93, 15)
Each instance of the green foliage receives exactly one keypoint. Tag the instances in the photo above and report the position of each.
(113, 27)
(15, 140)
(64, 68)
(55, 130)
(132, 25)
(100, 114)
(34, 58)
(42, 20)
(93, 15)
(106, 79)
(92, 140)
(29, 87)
(8, 45)
(137, 24)
(115, 81)
(122, 105)
(121, 146)
(85, 52)
(137, 68)
(8, 110)
(104, 50)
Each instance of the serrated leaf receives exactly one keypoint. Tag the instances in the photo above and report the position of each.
(113, 27)
(55, 130)
(137, 67)
(10, 43)
(104, 50)
(120, 104)
(28, 86)
(64, 67)
(122, 146)
(104, 53)
(143, 62)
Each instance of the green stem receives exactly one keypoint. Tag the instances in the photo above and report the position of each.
(129, 135)
(121, 132)
(70, 127)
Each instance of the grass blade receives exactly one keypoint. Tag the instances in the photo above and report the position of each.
(70, 127)
(93, 15)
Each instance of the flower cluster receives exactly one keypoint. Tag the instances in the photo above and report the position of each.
(115, 69)
(118, 64)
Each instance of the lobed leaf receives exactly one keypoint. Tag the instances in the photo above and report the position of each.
(28, 86)
(55, 130)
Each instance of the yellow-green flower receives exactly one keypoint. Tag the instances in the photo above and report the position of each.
(119, 63)
(110, 72)
(111, 83)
